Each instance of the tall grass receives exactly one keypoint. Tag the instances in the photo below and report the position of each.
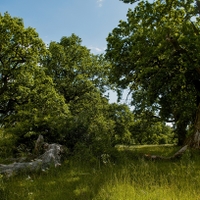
(126, 176)
(148, 180)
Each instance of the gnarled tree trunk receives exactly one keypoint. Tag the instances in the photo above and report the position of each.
(194, 141)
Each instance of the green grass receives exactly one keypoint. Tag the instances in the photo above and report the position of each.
(127, 176)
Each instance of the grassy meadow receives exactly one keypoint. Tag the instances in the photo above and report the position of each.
(124, 176)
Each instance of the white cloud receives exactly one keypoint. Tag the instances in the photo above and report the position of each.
(100, 3)
(96, 50)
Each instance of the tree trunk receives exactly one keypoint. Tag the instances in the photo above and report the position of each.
(194, 141)
(181, 132)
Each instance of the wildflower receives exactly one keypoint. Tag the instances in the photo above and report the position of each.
(28, 178)
(105, 158)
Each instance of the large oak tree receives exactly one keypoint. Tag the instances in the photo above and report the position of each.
(155, 53)
(29, 103)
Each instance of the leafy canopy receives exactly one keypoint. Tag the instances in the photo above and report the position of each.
(156, 54)
(29, 102)
(58, 91)
(81, 78)
(74, 70)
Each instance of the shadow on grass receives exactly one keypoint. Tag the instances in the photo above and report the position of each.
(69, 181)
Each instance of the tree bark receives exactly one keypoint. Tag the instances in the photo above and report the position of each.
(194, 140)
(52, 156)
(181, 132)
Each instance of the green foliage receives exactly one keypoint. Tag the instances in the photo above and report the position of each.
(7, 145)
(59, 92)
(81, 78)
(155, 54)
(74, 70)
(21, 49)
(56, 91)
(123, 119)
(91, 123)
(8, 68)
(29, 102)
(44, 110)
(147, 131)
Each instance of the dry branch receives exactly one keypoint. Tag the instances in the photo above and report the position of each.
(178, 154)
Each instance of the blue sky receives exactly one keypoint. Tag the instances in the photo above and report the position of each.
(91, 20)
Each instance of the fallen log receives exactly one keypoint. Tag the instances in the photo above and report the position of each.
(51, 157)
(178, 154)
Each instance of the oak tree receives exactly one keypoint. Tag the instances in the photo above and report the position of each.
(155, 53)
(81, 78)
(29, 103)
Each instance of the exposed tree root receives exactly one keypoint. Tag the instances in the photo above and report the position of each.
(178, 154)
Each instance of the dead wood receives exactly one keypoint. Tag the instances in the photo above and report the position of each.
(38, 145)
(177, 155)
(51, 157)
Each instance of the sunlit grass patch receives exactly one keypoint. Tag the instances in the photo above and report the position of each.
(149, 180)
(165, 149)
(116, 191)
